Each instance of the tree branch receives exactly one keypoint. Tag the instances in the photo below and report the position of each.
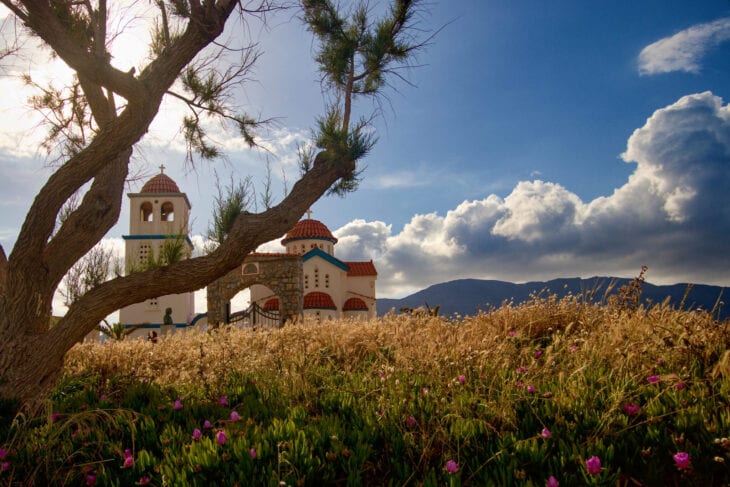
(98, 212)
(45, 23)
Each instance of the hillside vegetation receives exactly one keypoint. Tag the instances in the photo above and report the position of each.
(549, 392)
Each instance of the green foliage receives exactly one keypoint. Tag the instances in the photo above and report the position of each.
(231, 201)
(173, 249)
(355, 57)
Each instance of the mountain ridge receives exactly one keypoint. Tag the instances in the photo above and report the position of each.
(467, 297)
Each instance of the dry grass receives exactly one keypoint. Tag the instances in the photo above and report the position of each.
(569, 334)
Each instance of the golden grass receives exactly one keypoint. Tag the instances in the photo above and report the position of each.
(569, 334)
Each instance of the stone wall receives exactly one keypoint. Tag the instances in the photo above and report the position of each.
(282, 273)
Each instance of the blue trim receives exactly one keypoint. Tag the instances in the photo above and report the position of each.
(293, 239)
(154, 325)
(197, 318)
(155, 237)
(324, 255)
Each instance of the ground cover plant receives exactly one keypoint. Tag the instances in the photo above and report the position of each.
(548, 392)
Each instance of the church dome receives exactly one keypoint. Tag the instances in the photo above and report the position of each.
(161, 183)
(309, 229)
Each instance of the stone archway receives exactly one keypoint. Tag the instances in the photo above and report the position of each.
(282, 273)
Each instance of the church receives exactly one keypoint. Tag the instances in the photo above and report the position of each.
(322, 286)
(333, 289)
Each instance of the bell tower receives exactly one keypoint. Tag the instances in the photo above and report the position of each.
(158, 221)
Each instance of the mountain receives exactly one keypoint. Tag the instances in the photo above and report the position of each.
(468, 296)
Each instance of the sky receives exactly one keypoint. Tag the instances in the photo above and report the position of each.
(531, 140)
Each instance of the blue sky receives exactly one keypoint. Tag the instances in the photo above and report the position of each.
(538, 140)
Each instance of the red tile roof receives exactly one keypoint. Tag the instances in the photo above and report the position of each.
(361, 269)
(355, 304)
(318, 300)
(162, 183)
(309, 228)
(272, 304)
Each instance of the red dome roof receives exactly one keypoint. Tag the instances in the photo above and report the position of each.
(308, 228)
(318, 300)
(355, 304)
(272, 304)
(162, 183)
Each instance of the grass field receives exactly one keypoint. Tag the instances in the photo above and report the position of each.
(549, 392)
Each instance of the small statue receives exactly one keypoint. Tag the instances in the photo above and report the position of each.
(167, 320)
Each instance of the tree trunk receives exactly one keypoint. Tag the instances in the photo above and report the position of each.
(30, 368)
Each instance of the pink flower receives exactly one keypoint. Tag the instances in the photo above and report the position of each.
(531, 389)
(521, 370)
(55, 417)
(102, 397)
(3, 453)
(235, 416)
(538, 353)
(425, 391)
(545, 433)
(680, 385)
(452, 466)
(552, 482)
(653, 379)
(144, 480)
(462, 378)
(177, 406)
(4, 467)
(572, 348)
(252, 452)
(512, 333)
(197, 434)
(593, 465)
(221, 437)
(90, 478)
(128, 459)
(410, 421)
(632, 409)
(207, 425)
(223, 401)
(681, 459)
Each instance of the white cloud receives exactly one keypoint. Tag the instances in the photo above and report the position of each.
(671, 214)
(683, 51)
(536, 210)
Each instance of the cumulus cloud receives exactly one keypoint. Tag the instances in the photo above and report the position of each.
(671, 214)
(684, 50)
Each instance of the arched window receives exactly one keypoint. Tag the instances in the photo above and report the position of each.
(145, 212)
(251, 268)
(167, 212)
